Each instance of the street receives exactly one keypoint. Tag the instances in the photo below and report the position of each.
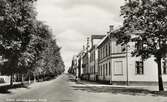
(64, 89)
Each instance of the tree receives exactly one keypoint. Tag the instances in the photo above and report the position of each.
(17, 17)
(52, 60)
(47, 59)
(25, 41)
(145, 24)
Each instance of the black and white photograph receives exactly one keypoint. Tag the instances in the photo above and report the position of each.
(83, 51)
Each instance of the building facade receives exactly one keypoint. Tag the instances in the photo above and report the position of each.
(117, 66)
(112, 61)
(107, 61)
(85, 66)
(93, 64)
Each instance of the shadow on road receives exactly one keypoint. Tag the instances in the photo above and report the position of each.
(120, 90)
(5, 89)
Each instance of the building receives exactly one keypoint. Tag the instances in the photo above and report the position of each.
(74, 66)
(112, 60)
(77, 64)
(106, 61)
(80, 62)
(85, 66)
(93, 64)
(117, 66)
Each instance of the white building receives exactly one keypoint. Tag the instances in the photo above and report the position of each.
(119, 67)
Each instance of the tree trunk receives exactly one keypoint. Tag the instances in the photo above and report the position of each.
(34, 78)
(37, 77)
(160, 82)
(22, 78)
(11, 80)
(29, 80)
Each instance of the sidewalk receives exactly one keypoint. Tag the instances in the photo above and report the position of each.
(96, 84)
(6, 84)
(118, 89)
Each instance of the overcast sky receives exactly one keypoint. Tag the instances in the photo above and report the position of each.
(72, 21)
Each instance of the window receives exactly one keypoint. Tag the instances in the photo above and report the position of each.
(103, 51)
(93, 56)
(99, 54)
(165, 67)
(99, 69)
(109, 68)
(106, 69)
(109, 51)
(103, 69)
(106, 50)
(118, 68)
(139, 67)
(92, 70)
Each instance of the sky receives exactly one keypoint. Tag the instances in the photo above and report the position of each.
(72, 21)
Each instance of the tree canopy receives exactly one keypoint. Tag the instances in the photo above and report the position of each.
(24, 41)
(145, 24)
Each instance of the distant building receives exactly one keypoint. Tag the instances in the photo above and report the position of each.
(80, 62)
(85, 66)
(93, 64)
(75, 65)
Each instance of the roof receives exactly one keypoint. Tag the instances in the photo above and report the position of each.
(97, 37)
(102, 41)
(105, 38)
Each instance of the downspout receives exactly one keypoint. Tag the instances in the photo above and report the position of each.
(110, 54)
(111, 66)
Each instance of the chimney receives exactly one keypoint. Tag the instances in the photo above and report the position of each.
(111, 28)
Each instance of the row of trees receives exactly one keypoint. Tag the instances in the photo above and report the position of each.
(26, 43)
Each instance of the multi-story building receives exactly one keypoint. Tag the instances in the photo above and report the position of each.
(107, 61)
(118, 66)
(80, 62)
(112, 61)
(74, 65)
(85, 66)
(93, 65)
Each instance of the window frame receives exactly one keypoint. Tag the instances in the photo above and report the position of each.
(138, 67)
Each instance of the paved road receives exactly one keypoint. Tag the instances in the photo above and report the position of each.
(64, 90)
(57, 90)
